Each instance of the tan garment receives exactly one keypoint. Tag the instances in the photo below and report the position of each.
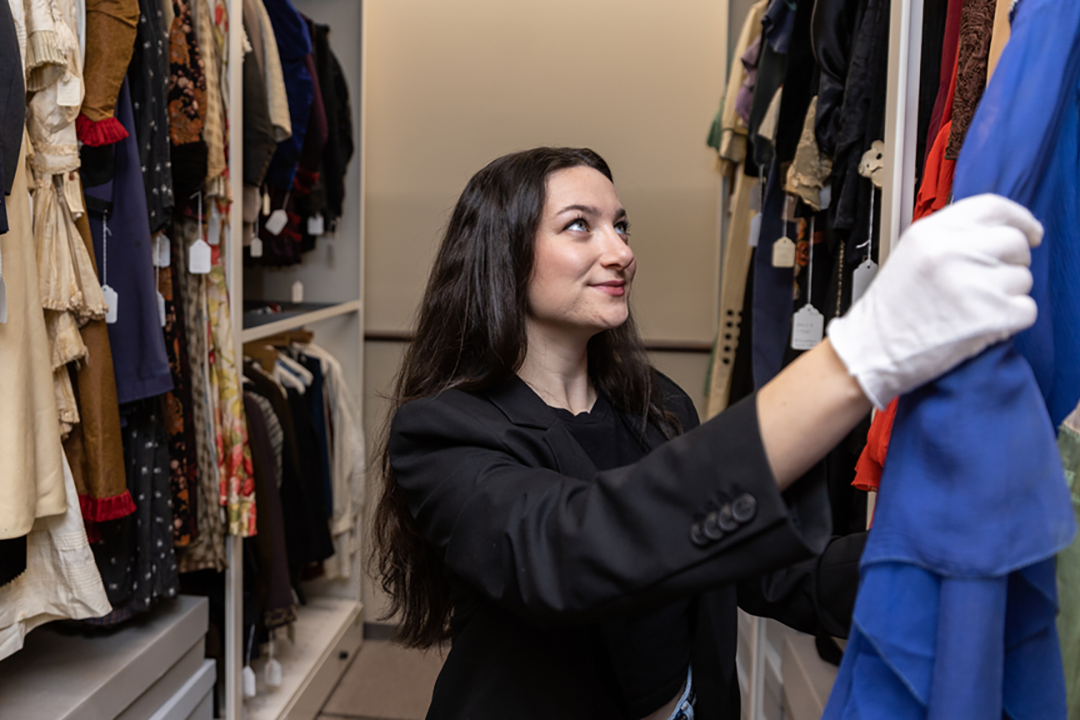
(259, 24)
(1002, 31)
(811, 168)
(733, 129)
(94, 448)
(61, 580)
(737, 256)
(214, 127)
(31, 470)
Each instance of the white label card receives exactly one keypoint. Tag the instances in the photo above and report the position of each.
(808, 328)
(69, 91)
(755, 197)
(248, 681)
(199, 258)
(315, 225)
(256, 247)
(112, 300)
(864, 275)
(3, 301)
(277, 221)
(213, 230)
(825, 197)
(755, 230)
(298, 292)
(783, 253)
(273, 673)
(162, 251)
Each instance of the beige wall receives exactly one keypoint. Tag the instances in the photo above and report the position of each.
(449, 86)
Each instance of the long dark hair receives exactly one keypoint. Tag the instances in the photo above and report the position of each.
(470, 335)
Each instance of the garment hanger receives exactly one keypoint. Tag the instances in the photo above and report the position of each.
(296, 369)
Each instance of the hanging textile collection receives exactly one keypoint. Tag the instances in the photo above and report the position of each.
(133, 445)
(956, 610)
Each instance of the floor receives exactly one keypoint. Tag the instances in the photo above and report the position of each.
(385, 682)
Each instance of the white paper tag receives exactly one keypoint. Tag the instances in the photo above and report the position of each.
(3, 300)
(791, 204)
(808, 328)
(162, 251)
(199, 258)
(213, 230)
(783, 253)
(755, 230)
(273, 673)
(315, 225)
(864, 275)
(69, 91)
(277, 221)
(248, 681)
(298, 292)
(755, 197)
(112, 300)
(161, 308)
(266, 204)
(256, 247)
(825, 197)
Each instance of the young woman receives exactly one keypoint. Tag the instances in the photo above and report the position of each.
(551, 504)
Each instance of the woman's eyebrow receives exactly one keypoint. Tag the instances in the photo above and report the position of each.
(590, 210)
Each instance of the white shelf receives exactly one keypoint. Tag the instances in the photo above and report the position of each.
(319, 627)
(294, 321)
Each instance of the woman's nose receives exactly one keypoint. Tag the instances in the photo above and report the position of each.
(617, 252)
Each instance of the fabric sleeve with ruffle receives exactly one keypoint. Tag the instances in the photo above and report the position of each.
(111, 26)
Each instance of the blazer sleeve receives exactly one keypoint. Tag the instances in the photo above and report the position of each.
(554, 548)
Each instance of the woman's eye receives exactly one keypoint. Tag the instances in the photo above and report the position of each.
(578, 224)
(622, 227)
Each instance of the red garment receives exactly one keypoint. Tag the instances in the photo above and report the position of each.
(949, 49)
(937, 181)
(872, 461)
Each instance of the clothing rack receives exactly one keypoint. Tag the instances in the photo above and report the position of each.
(328, 630)
(765, 663)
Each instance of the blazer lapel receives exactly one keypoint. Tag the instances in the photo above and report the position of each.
(524, 408)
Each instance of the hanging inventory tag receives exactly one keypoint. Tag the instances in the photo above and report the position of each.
(199, 258)
(783, 253)
(315, 225)
(298, 292)
(273, 673)
(162, 251)
(791, 204)
(256, 247)
(69, 91)
(825, 197)
(248, 681)
(277, 222)
(864, 275)
(808, 328)
(112, 300)
(161, 308)
(755, 197)
(755, 230)
(3, 301)
(213, 222)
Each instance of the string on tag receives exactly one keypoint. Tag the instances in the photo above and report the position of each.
(105, 233)
(810, 263)
(251, 643)
(870, 229)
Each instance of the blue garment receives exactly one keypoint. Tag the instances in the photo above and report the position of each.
(777, 24)
(955, 613)
(140, 362)
(322, 433)
(773, 301)
(294, 45)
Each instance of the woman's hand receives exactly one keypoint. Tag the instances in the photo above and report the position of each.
(956, 283)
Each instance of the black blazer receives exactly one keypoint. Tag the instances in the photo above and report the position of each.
(537, 546)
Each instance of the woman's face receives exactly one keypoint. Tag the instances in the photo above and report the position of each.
(584, 266)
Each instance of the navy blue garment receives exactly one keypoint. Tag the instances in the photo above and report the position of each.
(956, 610)
(777, 24)
(773, 287)
(322, 433)
(294, 45)
(140, 362)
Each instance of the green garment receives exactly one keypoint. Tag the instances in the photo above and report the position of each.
(1068, 569)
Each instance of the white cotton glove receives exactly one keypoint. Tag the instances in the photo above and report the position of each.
(956, 283)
